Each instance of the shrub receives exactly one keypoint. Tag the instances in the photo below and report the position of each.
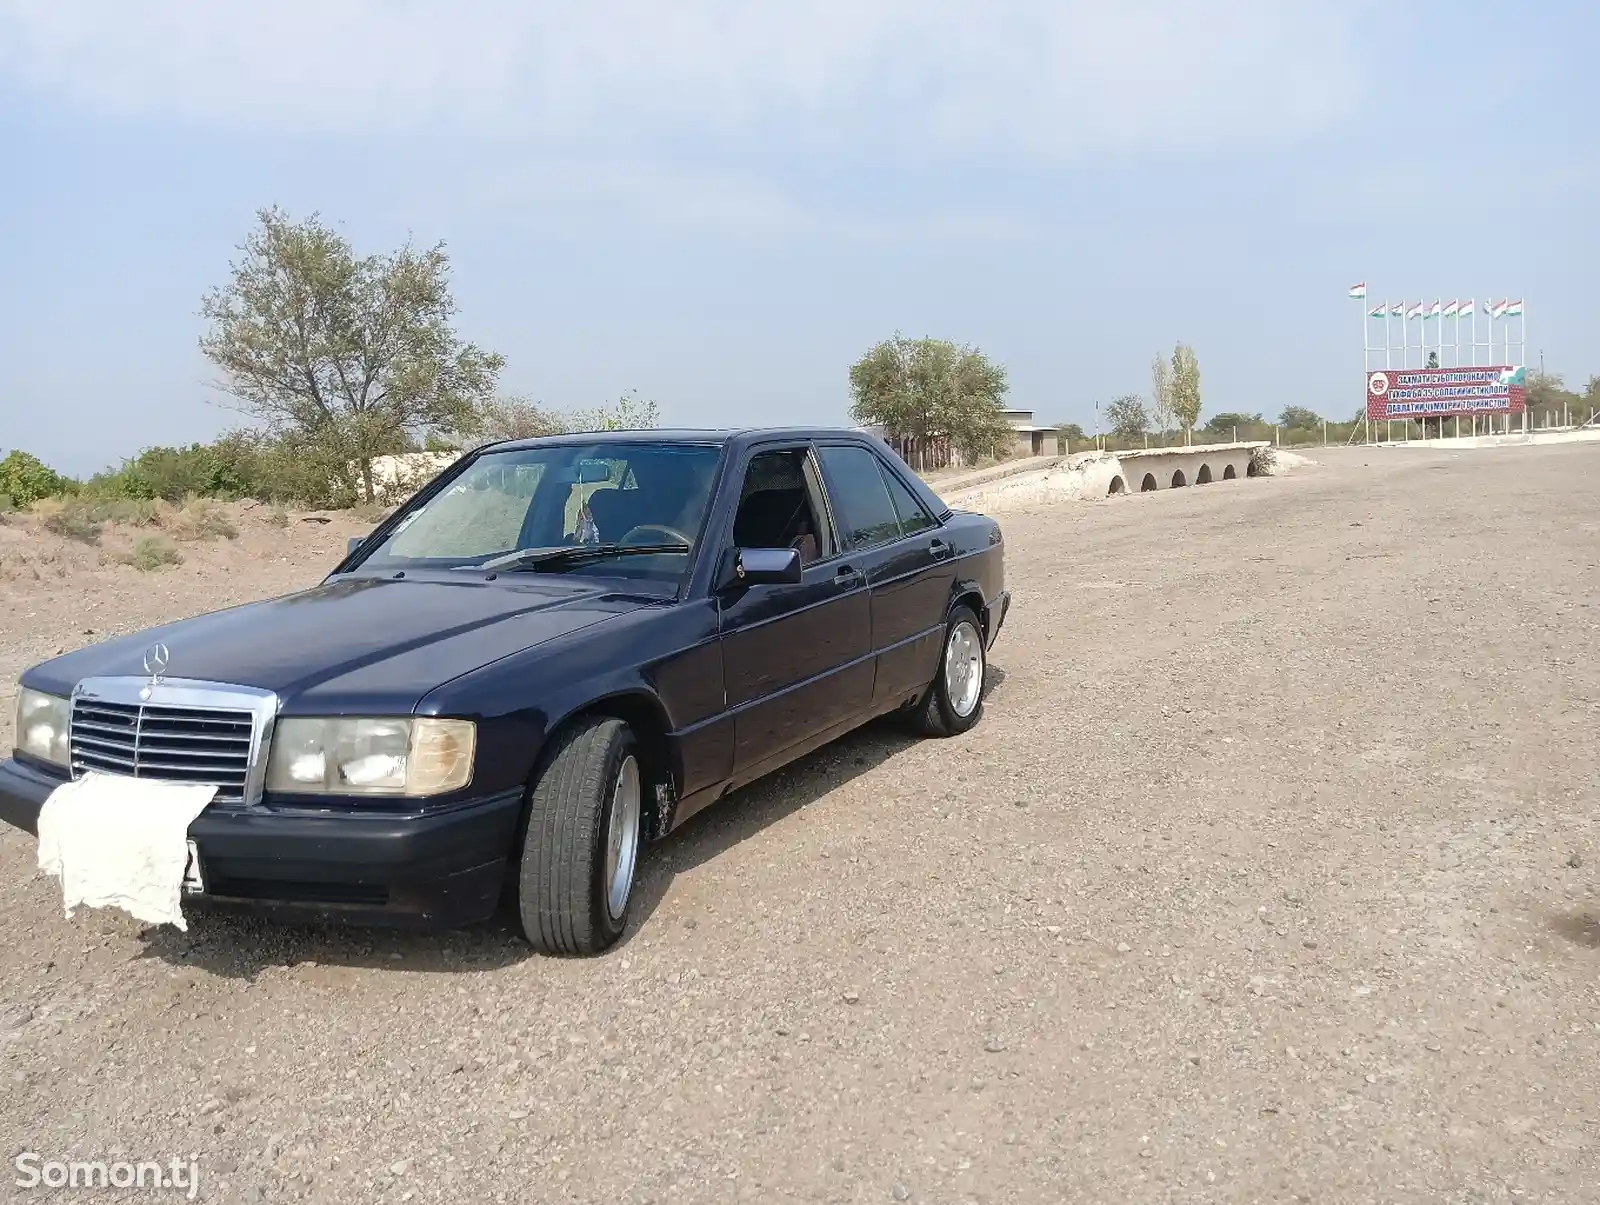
(7, 504)
(135, 512)
(151, 553)
(199, 519)
(26, 479)
(1262, 461)
(278, 517)
(72, 521)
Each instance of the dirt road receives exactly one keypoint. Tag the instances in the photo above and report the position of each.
(1270, 875)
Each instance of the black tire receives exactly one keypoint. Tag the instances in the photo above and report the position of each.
(561, 882)
(935, 714)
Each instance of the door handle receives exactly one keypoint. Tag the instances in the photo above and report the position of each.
(940, 549)
(846, 573)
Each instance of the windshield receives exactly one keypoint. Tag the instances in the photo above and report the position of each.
(586, 495)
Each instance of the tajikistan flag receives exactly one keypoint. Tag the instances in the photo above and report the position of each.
(1468, 308)
(1513, 309)
(1434, 310)
(1414, 312)
(1378, 311)
(1451, 310)
(1498, 310)
(1359, 290)
(1398, 309)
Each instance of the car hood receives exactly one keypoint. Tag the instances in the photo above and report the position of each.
(356, 642)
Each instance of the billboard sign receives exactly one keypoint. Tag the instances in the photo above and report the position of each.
(1440, 392)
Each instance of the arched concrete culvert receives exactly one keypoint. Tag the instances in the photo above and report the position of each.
(1148, 484)
(1203, 477)
(1178, 479)
(1228, 474)
(1118, 486)
(1250, 469)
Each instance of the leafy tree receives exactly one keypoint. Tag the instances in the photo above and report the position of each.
(1185, 386)
(1300, 417)
(356, 356)
(513, 418)
(1071, 431)
(629, 412)
(1128, 417)
(1226, 421)
(1161, 392)
(931, 388)
(24, 479)
(1548, 390)
(520, 418)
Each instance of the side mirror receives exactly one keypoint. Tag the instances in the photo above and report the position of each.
(766, 567)
(355, 542)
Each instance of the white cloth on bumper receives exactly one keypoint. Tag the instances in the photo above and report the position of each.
(122, 842)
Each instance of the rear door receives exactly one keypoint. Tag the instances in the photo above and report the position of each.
(907, 561)
(797, 658)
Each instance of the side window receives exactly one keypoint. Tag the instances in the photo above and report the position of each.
(861, 502)
(778, 509)
(913, 517)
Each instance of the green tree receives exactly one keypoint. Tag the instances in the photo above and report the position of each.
(1185, 386)
(629, 412)
(1128, 417)
(930, 389)
(1227, 420)
(513, 418)
(1300, 417)
(1161, 393)
(24, 479)
(356, 356)
(521, 418)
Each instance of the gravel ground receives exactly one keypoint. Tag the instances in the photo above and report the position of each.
(1269, 876)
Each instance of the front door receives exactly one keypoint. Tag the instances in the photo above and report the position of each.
(798, 659)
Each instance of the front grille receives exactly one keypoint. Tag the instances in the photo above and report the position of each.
(177, 744)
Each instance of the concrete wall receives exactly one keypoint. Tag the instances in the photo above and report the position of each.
(1170, 468)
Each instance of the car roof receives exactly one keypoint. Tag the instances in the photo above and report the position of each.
(681, 435)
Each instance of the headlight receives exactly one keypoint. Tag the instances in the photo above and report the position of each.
(42, 722)
(421, 756)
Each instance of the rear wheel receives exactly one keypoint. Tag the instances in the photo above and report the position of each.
(581, 849)
(954, 700)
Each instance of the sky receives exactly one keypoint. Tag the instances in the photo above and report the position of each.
(722, 204)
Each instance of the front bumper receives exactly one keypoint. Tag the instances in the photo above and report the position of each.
(441, 867)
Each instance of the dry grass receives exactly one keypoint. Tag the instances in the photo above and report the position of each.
(151, 553)
(69, 520)
(199, 519)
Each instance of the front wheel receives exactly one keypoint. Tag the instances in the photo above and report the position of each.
(954, 700)
(581, 849)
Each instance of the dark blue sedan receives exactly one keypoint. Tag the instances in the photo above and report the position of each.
(558, 651)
